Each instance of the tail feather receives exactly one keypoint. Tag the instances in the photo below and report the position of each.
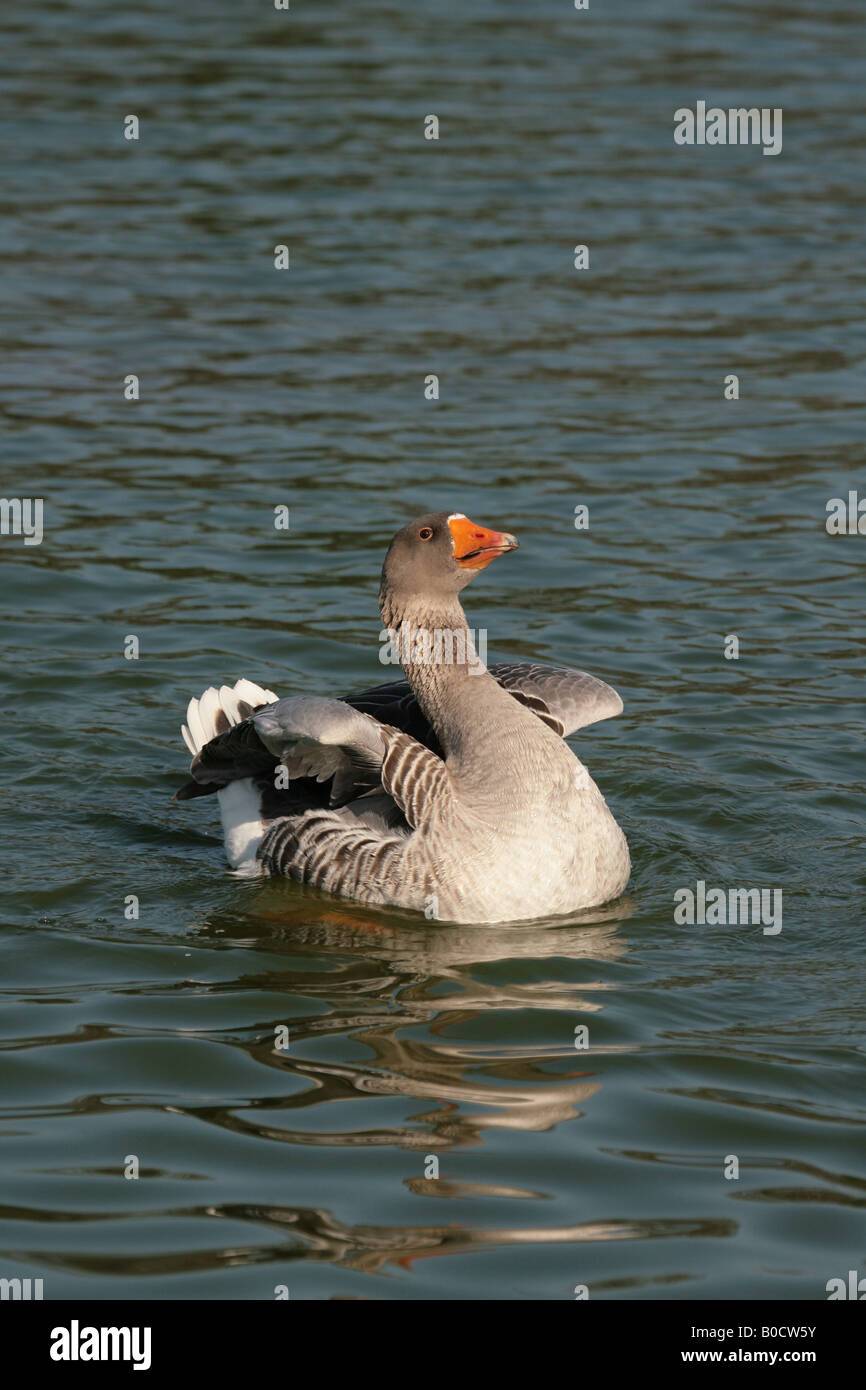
(240, 803)
(229, 701)
(188, 739)
(217, 710)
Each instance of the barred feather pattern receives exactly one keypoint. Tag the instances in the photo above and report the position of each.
(331, 850)
(324, 850)
(416, 778)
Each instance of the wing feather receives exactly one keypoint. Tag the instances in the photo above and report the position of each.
(564, 699)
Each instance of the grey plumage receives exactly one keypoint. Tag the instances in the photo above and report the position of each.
(450, 792)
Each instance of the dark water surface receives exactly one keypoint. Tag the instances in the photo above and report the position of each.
(154, 1037)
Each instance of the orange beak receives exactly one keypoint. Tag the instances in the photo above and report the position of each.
(475, 546)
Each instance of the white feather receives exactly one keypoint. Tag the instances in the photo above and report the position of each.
(207, 708)
(253, 694)
(195, 728)
(240, 802)
(229, 702)
(243, 827)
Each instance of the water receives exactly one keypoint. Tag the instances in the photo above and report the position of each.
(154, 1037)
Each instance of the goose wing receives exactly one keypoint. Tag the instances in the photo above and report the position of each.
(326, 741)
(564, 699)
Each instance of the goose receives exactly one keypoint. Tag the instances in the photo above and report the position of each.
(452, 792)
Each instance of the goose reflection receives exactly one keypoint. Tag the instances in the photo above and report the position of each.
(317, 1235)
(406, 992)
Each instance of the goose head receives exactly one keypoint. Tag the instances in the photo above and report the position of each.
(435, 556)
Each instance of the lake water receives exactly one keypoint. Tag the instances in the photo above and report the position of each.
(153, 1037)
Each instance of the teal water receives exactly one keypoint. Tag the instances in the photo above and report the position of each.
(154, 1037)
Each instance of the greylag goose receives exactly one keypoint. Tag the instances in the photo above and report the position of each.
(451, 792)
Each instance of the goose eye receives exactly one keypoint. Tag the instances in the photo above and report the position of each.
(426, 533)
